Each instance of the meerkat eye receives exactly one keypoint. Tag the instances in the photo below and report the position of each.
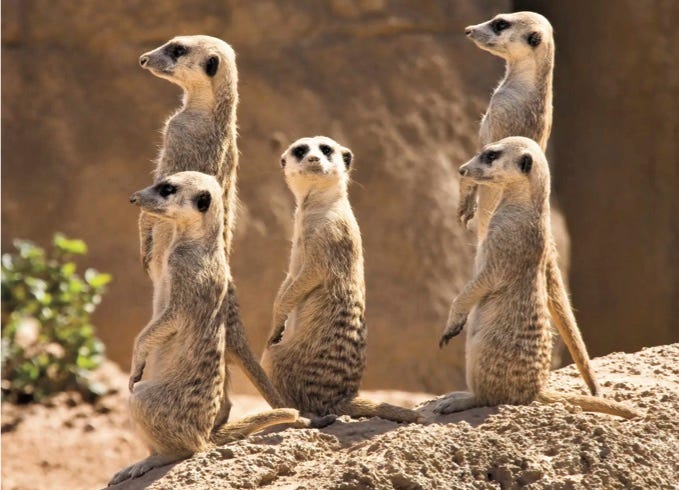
(166, 189)
(211, 66)
(326, 150)
(534, 39)
(299, 151)
(499, 25)
(203, 201)
(178, 50)
(490, 156)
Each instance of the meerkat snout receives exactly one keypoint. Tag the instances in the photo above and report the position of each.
(313, 159)
(143, 59)
(463, 171)
(134, 198)
(467, 30)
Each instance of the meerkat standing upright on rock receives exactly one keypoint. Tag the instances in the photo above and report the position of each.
(201, 136)
(522, 106)
(317, 357)
(175, 409)
(509, 339)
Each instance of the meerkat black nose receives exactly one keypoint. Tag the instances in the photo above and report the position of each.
(463, 171)
(313, 159)
(133, 199)
(143, 59)
(468, 30)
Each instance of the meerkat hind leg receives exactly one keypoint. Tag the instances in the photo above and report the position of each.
(144, 466)
(457, 401)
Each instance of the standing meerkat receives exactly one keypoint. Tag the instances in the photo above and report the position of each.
(201, 136)
(316, 358)
(175, 408)
(509, 337)
(521, 106)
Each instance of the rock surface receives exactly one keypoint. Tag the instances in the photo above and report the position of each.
(504, 447)
(68, 444)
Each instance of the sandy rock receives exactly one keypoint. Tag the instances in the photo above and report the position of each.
(545, 446)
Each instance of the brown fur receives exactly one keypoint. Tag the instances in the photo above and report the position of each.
(522, 106)
(175, 408)
(508, 336)
(202, 136)
(316, 353)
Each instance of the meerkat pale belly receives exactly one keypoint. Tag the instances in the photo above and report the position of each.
(506, 305)
(316, 351)
(202, 136)
(175, 409)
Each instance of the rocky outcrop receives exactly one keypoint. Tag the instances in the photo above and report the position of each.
(545, 446)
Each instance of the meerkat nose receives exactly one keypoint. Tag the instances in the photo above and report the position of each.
(143, 59)
(463, 171)
(313, 159)
(468, 30)
(133, 198)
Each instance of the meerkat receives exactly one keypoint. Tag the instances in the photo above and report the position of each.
(521, 105)
(315, 355)
(201, 136)
(176, 407)
(509, 339)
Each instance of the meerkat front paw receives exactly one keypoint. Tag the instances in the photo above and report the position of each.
(136, 374)
(466, 209)
(454, 327)
(277, 335)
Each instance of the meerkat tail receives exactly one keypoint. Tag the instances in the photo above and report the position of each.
(361, 407)
(234, 431)
(591, 404)
(562, 315)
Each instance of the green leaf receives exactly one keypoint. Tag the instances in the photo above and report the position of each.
(97, 279)
(72, 246)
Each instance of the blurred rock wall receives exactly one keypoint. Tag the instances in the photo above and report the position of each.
(398, 83)
(617, 171)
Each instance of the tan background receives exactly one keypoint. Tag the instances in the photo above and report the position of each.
(398, 83)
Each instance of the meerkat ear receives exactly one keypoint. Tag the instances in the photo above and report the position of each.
(526, 163)
(203, 201)
(347, 157)
(211, 66)
(534, 39)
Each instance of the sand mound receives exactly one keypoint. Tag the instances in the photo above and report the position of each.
(508, 447)
(70, 444)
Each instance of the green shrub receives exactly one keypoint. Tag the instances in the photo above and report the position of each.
(48, 341)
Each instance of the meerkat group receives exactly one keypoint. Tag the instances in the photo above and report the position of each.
(315, 357)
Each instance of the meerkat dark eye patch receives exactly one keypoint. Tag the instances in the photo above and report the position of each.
(347, 157)
(176, 51)
(165, 189)
(326, 150)
(203, 201)
(299, 151)
(526, 163)
(211, 66)
(534, 39)
(489, 156)
(499, 25)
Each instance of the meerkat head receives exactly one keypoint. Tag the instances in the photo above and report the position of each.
(316, 163)
(192, 62)
(190, 199)
(513, 161)
(513, 36)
